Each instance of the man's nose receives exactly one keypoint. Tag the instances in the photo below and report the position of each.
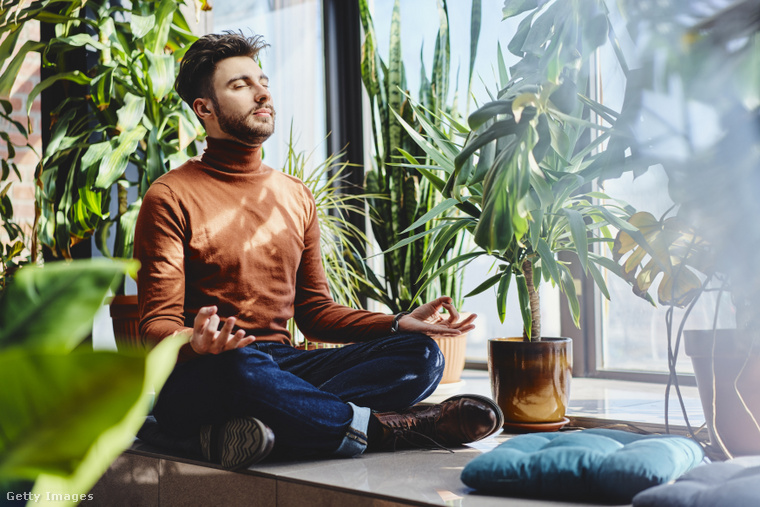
(261, 93)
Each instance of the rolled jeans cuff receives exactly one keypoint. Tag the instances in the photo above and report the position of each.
(355, 441)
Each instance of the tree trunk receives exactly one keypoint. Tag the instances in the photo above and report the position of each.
(535, 302)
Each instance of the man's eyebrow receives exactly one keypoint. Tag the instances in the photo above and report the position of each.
(246, 77)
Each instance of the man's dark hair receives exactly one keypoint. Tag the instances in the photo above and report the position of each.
(199, 62)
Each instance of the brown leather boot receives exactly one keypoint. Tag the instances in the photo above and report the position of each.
(456, 421)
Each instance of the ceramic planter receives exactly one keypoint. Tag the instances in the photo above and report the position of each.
(732, 408)
(126, 323)
(530, 381)
(453, 349)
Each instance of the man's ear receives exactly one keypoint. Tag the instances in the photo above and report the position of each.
(203, 108)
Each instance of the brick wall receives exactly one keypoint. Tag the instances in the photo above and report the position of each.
(22, 192)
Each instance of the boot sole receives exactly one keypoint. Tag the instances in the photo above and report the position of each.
(238, 443)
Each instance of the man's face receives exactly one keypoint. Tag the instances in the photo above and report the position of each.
(242, 102)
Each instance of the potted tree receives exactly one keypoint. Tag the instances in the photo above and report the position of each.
(521, 179)
(711, 240)
(398, 195)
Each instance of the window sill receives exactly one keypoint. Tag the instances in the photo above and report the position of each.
(603, 402)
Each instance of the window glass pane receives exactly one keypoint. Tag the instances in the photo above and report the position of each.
(633, 335)
(294, 63)
(419, 28)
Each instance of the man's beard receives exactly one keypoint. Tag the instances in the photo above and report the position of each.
(246, 128)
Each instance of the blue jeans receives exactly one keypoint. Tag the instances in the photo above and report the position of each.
(317, 402)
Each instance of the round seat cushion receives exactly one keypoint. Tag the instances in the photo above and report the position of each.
(598, 465)
(729, 483)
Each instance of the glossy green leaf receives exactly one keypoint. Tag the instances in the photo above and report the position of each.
(161, 74)
(568, 287)
(186, 131)
(599, 280)
(113, 166)
(131, 113)
(157, 38)
(8, 45)
(498, 130)
(51, 308)
(547, 259)
(442, 243)
(141, 25)
(488, 111)
(102, 89)
(14, 67)
(431, 150)
(125, 240)
(475, 22)
(154, 158)
(78, 40)
(514, 7)
(579, 235)
(490, 282)
(501, 294)
(439, 209)
(515, 45)
(66, 417)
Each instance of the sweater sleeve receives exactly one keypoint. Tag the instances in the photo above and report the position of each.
(159, 246)
(317, 315)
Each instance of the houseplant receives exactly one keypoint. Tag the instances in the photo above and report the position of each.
(68, 411)
(399, 196)
(120, 124)
(710, 60)
(522, 179)
(338, 237)
(17, 247)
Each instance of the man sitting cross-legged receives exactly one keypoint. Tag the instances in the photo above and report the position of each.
(225, 239)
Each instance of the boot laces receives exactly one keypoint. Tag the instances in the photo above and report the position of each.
(415, 426)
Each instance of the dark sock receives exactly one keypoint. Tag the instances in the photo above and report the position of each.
(375, 433)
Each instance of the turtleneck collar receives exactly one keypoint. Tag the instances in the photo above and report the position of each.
(231, 157)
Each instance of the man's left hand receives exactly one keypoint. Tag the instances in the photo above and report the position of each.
(429, 320)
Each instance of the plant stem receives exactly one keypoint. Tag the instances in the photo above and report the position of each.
(535, 302)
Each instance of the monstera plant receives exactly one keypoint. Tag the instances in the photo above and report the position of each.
(706, 60)
(520, 172)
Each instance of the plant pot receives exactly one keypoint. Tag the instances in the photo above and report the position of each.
(454, 349)
(530, 381)
(126, 323)
(732, 409)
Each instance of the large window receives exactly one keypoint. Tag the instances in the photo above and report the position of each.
(631, 333)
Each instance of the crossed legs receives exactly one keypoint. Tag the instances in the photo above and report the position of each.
(316, 402)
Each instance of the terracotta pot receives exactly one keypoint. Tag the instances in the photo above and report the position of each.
(126, 322)
(531, 380)
(733, 413)
(454, 349)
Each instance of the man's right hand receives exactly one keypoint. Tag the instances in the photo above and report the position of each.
(207, 340)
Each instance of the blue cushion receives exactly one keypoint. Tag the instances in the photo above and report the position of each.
(596, 465)
(710, 485)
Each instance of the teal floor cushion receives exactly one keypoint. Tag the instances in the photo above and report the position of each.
(597, 465)
(712, 485)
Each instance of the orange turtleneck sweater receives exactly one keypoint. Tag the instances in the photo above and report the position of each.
(226, 230)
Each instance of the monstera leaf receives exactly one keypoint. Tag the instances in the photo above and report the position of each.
(675, 251)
